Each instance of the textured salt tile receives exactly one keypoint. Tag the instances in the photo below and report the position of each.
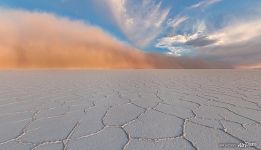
(175, 110)
(50, 147)
(208, 112)
(207, 122)
(15, 146)
(110, 101)
(107, 139)
(122, 114)
(251, 133)
(91, 122)
(194, 98)
(237, 100)
(179, 144)
(11, 130)
(17, 107)
(219, 113)
(207, 138)
(79, 105)
(154, 124)
(15, 117)
(56, 111)
(170, 95)
(182, 103)
(146, 101)
(52, 128)
(254, 115)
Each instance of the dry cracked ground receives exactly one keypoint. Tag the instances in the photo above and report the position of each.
(130, 110)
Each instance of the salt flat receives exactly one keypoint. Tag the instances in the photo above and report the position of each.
(130, 109)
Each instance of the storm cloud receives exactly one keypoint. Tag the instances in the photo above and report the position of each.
(43, 40)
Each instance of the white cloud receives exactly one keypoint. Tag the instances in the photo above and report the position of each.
(236, 43)
(237, 33)
(175, 42)
(140, 21)
(176, 51)
(204, 4)
(176, 22)
(232, 34)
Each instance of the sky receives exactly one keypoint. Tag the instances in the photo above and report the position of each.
(130, 33)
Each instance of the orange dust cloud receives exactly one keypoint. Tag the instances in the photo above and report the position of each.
(43, 40)
(254, 66)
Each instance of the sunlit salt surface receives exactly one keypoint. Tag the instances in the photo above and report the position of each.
(129, 109)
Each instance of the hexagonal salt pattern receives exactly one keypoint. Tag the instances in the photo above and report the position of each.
(129, 109)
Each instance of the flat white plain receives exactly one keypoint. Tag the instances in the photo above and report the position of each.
(129, 109)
